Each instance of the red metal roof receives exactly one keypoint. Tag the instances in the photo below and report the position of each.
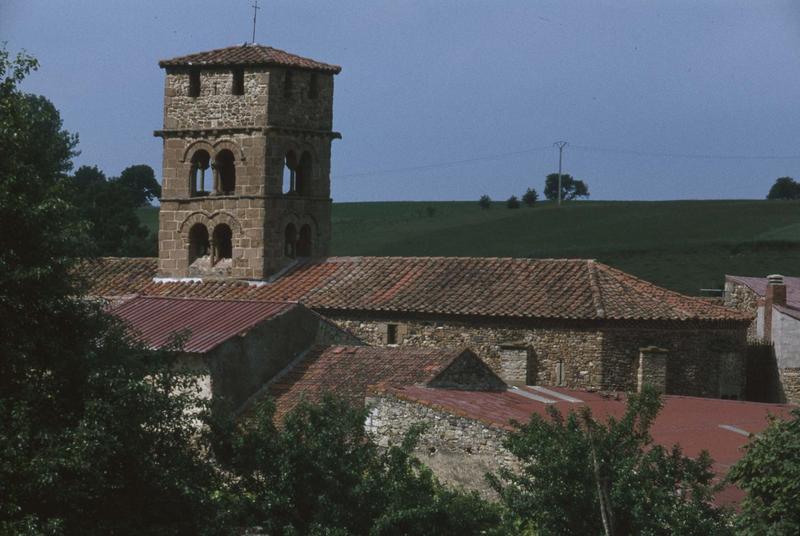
(575, 289)
(695, 424)
(207, 323)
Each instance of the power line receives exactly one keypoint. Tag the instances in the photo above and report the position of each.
(686, 155)
(442, 164)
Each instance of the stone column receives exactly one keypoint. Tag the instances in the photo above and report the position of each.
(652, 369)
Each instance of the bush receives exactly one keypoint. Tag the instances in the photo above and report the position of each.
(512, 202)
(784, 188)
(485, 201)
(530, 197)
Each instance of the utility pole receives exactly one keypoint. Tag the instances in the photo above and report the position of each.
(255, 13)
(560, 145)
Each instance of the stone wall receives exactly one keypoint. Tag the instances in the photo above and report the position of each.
(584, 357)
(460, 451)
(695, 357)
(790, 382)
(743, 298)
(468, 372)
(578, 349)
(216, 106)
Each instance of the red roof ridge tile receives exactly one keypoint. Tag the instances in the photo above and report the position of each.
(248, 54)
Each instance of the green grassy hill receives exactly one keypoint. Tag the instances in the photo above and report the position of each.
(683, 245)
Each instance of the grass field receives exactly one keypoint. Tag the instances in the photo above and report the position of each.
(683, 245)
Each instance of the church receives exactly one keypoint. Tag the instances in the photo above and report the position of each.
(246, 216)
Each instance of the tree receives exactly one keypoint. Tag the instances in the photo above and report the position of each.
(530, 197)
(784, 188)
(512, 202)
(570, 188)
(140, 183)
(485, 201)
(93, 438)
(580, 476)
(320, 473)
(110, 208)
(770, 474)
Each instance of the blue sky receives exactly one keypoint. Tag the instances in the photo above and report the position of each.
(670, 99)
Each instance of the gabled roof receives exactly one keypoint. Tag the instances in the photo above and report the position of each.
(205, 323)
(248, 54)
(348, 371)
(571, 289)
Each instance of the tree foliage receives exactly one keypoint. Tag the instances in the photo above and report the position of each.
(530, 197)
(320, 473)
(110, 208)
(485, 201)
(784, 188)
(512, 202)
(770, 474)
(581, 476)
(570, 187)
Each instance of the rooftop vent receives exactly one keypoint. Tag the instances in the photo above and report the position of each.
(775, 279)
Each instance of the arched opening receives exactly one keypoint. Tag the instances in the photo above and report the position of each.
(200, 164)
(289, 173)
(198, 242)
(290, 241)
(303, 175)
(226, 169)
(223, 243)
(304, 243)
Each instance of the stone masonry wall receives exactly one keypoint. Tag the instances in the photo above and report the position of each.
(695, 358)
(578, 350)
(460, 451)
(790, 381)
(743, 298)
(216, 106)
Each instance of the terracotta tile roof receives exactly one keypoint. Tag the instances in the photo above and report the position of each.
(249, 54)
(466, 286)
(348, 371)
(207, 323)
(694, 423)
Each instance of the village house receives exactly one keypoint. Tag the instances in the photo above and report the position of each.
(245, 215)
(774, 302)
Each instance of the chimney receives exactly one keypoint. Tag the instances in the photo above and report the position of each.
(776, 295)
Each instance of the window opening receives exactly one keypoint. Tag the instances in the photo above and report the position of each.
(290, 241)
(287, 84)
(560, 373)
(391, 333)
(200, 163)
(194, 83)
(238, 82)
(225, 168)
(303, 175)
(304, 244)
(223, 247)
(289, 172)
(313, 86)
(198, 242)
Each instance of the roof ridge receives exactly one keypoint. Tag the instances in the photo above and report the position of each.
(594, 286)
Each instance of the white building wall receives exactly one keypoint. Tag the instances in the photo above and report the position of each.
(786, 338)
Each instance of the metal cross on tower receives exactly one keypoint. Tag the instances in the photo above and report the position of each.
(255, 14)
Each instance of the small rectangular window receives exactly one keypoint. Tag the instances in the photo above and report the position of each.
(391, 333)
(287, 84)
(313, 87)
(238, 82)
(194, 83)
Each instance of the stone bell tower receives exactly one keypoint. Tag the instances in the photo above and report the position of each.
(247, 150)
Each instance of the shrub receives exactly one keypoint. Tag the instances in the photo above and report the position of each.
(530, 197)
(485, 201)
(512, 202)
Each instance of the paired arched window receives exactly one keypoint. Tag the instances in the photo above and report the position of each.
(223, 243)
(297, 245)
(224, 173)
(297, 173)
(198, 242)
(200, 165)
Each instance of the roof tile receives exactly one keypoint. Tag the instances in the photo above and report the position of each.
(249, 54)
